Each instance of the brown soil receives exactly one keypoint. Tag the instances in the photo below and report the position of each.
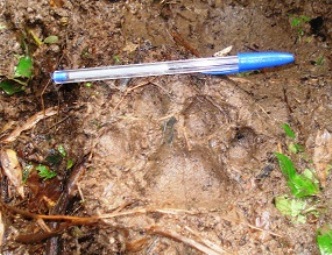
(172, 157)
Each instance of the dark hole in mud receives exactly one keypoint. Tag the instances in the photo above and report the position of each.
(317, 25)
(244, 134)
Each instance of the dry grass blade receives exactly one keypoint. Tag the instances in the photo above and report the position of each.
(30, 123)
(12, 169)
(176, 236)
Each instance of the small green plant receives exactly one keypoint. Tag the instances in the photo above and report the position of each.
(302, 186)
(319, 61)
(22, 74)
(298, 23)
(293, 146)
(45, 172)
(117, 59)
(299, 184)
(62, 150)
(324, 240)
(288, 131)
(296, 209)
(70, 164)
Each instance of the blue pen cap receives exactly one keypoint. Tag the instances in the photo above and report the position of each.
(59, 76)
(257, 60)
(252, 61)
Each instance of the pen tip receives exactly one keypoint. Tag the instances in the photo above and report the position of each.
(59, 76)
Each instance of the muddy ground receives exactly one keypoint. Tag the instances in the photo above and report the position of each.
(180, 164)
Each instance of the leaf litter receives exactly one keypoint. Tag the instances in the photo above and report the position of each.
(12, 169)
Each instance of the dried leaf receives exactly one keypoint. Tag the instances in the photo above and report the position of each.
(130, 47)
(56, 3)
(322, 155)
(30, 123)
(12, 169)
(223, 52)
(51, 39)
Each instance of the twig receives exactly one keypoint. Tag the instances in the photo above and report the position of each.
(30, 123)
(206, 241)
(173, 235)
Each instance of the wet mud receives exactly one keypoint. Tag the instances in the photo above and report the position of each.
(195, 152)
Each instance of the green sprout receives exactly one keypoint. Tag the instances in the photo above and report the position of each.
(70, 164)
(62, 150)
(45, 172)
(319, 61)
(293, 147)
(288, 131)
(299, 184)
(298, 22)
(291, 207)
(296, 209)
(117, 59)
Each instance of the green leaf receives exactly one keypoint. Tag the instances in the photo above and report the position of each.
(10, 87)
(291, 207)
(319, 61)
(324, 241)
(302, 186)
(310, 175)
(295, 148)
(286, 165)
(26, 172)
(24, 68)
(45, 172)
(51, 39)
(295, 22)
(70, 164)
(288, 131)
(62, 150)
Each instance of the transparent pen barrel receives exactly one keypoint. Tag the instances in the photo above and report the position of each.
(149, 69)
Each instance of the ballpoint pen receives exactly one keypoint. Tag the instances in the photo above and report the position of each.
(242, 62)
